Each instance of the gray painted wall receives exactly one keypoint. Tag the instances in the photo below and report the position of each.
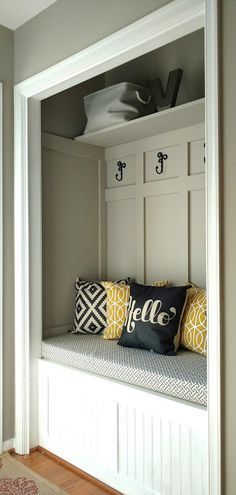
(70, 233)
(186, 53)
(63, 114)
(70, 25)
(6, 76)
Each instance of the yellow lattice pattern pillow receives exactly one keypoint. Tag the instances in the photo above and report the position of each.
(194, 322)
(117, 305)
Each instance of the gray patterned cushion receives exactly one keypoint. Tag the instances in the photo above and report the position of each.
(183, 376)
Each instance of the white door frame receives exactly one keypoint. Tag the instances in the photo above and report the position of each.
(1, 268)
(174, 20)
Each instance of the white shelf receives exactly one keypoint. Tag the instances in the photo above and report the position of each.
(168, 120)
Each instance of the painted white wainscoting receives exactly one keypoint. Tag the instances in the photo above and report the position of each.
(138, 442)
(148, 226)
(156, 221)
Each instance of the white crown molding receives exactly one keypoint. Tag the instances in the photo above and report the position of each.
(176, 19)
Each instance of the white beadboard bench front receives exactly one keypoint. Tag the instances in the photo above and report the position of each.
(137, 441)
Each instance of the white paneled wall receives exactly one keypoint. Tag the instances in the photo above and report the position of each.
(165, 254)
(121, 238)
(197, 236)
(129, 171)
(156, 218)
(114, 213)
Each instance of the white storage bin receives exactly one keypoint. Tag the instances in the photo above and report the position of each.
(116, 104)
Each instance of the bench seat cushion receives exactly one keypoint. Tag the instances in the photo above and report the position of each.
(183, 376)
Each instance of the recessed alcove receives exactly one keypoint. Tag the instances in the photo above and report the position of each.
(63, 114)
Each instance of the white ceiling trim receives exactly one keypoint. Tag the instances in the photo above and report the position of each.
(14, 13)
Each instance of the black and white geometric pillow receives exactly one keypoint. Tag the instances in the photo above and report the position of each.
(90, 307)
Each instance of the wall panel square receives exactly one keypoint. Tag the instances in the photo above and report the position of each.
(121, 239)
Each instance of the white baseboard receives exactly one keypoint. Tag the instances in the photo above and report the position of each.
(8, 444)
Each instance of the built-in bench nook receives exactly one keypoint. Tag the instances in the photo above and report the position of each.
(126, 200)
(132, 418)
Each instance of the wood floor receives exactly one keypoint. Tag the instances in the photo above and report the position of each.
(72, 482)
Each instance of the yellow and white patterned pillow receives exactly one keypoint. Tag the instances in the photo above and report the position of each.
(194, 322)
(117, 306)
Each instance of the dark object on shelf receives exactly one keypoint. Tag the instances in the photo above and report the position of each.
(120, 166)
(166, 99)
(117, 104)
(161, 157)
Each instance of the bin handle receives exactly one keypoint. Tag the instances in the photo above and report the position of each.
(141, 100)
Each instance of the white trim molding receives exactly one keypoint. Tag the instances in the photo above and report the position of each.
(22, 303)
(213, 247)
(174, 20)
(1, 267)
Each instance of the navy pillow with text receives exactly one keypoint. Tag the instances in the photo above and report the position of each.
(154, 317)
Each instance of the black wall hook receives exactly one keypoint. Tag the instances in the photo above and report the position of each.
(120, 167)
(161, 157)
